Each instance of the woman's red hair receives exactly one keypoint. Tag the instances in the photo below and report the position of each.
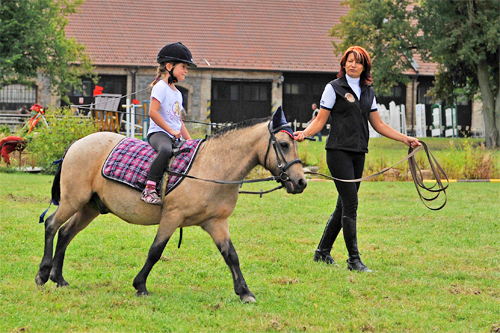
(362, 56)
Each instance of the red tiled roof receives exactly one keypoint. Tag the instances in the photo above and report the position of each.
(277, 35)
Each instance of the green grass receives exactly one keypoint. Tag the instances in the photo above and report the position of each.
(435, 271)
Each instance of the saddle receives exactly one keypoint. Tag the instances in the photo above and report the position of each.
(130, 160)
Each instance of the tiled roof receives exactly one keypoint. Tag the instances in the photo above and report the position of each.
(276, 35)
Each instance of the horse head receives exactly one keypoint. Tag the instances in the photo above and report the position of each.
(286, 162)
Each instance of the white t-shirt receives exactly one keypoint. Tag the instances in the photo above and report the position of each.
(170, 107)
(329, 96)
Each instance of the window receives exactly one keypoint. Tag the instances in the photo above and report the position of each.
(421, 95)
(294, 88)
(226, 91)
(254, 92)
(14, 96)
(84, 90)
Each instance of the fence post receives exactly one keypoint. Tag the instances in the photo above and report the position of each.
(145, 121)
(436, 120)
(451, 121)
(420, 125)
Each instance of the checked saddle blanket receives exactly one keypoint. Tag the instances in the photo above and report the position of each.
(129, 163)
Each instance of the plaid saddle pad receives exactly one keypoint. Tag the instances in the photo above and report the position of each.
(129, 163)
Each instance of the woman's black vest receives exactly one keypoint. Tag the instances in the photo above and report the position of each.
(349, 117)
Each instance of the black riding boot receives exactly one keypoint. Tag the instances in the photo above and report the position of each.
(332, 229)
(354, 262)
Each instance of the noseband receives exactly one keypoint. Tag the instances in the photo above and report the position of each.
(283, 165)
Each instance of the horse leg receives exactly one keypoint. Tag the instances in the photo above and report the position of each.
(78, 222)
(219, 231)
(52, 224)
(163, 235)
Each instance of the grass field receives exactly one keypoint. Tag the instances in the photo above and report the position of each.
(435, 271)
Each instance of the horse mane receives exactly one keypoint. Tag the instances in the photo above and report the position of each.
(237, 126)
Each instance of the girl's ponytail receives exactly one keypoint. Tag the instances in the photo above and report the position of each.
(159, 73)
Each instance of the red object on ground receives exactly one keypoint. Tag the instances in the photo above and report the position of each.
(9, 144)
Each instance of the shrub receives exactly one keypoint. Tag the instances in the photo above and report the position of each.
(49, 144)
(5, 130)
(465, 161)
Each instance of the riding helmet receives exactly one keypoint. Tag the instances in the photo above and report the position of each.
(175, 52)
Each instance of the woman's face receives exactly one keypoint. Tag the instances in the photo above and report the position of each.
(352, 67)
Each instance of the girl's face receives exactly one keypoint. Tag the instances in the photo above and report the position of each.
(353, 68)
(180, 71)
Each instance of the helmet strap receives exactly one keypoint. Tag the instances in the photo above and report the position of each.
(172, 79)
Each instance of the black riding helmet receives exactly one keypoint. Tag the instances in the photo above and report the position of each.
(175, 52)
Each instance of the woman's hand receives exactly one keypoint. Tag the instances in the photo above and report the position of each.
(299, 136)
(411, 142)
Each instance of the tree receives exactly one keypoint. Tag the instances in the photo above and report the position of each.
(461, 36)
(33, 41)
(380, 26)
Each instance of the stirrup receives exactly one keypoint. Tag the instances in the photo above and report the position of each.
(151, 197)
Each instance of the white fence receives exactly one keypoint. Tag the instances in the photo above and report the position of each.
(395, 117)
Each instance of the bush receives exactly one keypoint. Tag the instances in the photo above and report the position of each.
(5, 130)
(464, 161)
(47, 145)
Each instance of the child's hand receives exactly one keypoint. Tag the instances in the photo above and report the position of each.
(176, 134)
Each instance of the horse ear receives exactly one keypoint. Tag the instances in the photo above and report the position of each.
(279, 121)
(278, 118)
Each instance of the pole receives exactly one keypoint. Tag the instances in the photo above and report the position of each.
(127, 119)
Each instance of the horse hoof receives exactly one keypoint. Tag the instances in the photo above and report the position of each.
(248, 299)
(39, 280)
(142, 293)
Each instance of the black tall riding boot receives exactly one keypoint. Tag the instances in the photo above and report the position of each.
(332, 229)
(354, 262)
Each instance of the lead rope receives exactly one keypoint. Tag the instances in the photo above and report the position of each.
(416, 174)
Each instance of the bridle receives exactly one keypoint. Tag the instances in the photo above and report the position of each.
(283, 165)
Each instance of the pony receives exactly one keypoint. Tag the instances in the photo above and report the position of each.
(206, 198)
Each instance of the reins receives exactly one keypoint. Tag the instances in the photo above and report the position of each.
(283, 165)
(416, 174)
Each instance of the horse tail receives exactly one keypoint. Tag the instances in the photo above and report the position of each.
(56, 186)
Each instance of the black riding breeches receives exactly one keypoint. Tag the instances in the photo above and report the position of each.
(346, 165)
(162, 143)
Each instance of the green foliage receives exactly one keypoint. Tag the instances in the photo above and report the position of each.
(464, 161)
(5, 130)
(383, 28)
(461, 36)
(32, 40)
(49, 144)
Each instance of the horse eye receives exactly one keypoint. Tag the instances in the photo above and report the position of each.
(284, 145)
